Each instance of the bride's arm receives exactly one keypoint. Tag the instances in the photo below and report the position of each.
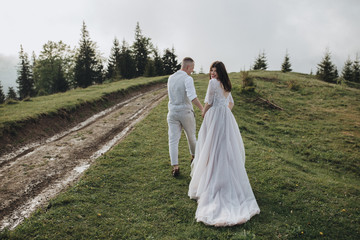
(206, 108)
(209, 97)
(231, 101)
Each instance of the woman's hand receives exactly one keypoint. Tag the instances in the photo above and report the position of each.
(206, 108)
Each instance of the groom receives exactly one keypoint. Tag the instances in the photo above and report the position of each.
(182, 94)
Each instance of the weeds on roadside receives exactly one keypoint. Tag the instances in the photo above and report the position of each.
(293, 85)
(248, 83)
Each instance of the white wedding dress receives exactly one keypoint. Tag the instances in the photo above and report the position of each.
(219, 180)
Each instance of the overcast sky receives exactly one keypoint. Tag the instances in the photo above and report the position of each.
(233, 31)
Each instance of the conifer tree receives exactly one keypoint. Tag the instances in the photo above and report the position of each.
(264, 61)
(11, 94)
(25, 81)
(356, 70)
(260, 62)
(2, 94)
(127, 62)
(33, 70)
(170, 61)
(150, 70)
(326, 70)
(286, 66)
(158, 63)
(347, 70)
(113, 69)
(60, 84)
(257, 63)
(141, 49)
(88, 66)
(99, 71)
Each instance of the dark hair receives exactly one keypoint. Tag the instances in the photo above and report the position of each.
(222, 75)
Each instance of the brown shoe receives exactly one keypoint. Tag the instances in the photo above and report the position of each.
(175, 172)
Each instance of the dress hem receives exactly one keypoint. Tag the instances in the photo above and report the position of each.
(225, 223)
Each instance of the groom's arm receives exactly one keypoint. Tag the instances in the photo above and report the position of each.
(197, 103)
(191, 92)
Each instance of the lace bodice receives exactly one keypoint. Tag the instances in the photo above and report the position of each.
(215, 95)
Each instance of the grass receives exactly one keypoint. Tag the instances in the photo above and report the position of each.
(302, 162)
(47, 105)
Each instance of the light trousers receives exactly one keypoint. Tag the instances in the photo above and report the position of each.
(178, 120)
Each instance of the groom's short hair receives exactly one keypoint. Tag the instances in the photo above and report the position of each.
(186, 61)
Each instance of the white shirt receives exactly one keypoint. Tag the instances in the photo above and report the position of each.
(181, 91)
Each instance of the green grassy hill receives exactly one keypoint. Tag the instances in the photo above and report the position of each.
(302, 162)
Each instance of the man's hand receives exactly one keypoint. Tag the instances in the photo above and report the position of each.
(197, 103)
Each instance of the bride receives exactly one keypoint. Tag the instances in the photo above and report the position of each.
(219, 179)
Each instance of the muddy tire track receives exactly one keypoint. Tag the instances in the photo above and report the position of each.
(29, 178)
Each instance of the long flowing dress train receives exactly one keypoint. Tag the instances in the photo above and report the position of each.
(219, 180)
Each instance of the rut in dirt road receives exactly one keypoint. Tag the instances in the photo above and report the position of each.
(28, 179)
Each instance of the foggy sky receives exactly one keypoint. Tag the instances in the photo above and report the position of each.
(233, 31)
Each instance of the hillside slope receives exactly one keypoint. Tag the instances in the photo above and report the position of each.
(302, 162)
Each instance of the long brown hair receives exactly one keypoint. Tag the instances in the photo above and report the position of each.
(222, 75)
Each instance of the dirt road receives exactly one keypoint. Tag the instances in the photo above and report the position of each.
(36, 173)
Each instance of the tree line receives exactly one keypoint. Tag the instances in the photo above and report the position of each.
(326, 70)
(59, 67)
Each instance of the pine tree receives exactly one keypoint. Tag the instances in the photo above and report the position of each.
(286, 66)
(326, 70)
(141, 49)
(150, 70)
(113, 69)
(99, 72)
(88, 66)
(347, 70)
(170, 61)
(127, 62)
(2, 94)
(60, 84)
(264, 61)
(356, 70)
(11, 94)
(158, 63)
(25, 81)
(33, 70)
(260, 62)
(257, 64)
